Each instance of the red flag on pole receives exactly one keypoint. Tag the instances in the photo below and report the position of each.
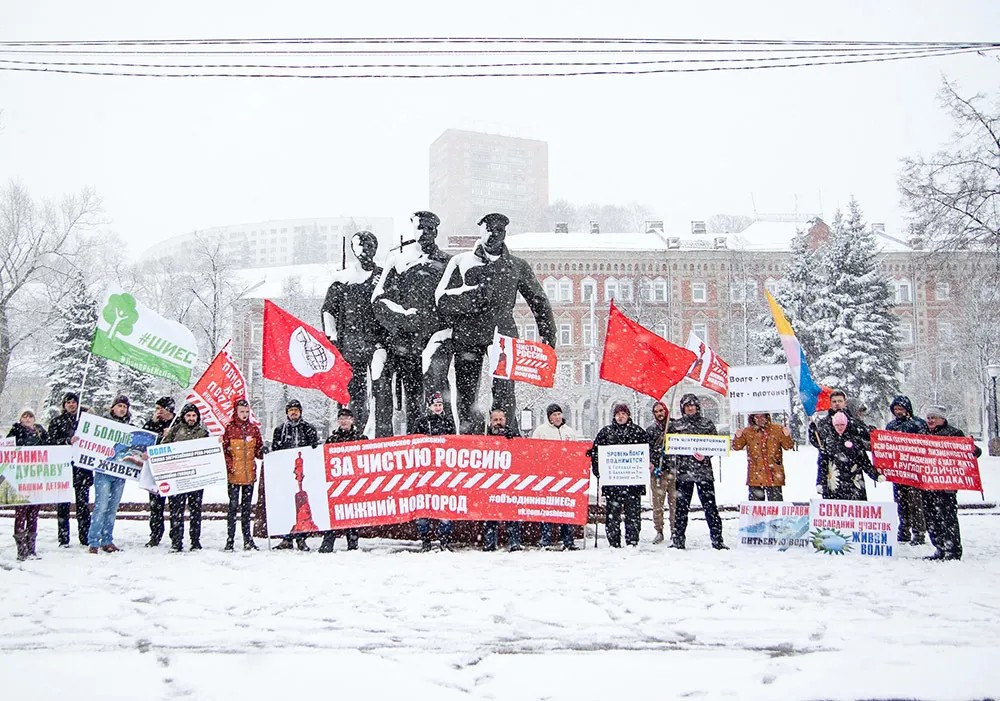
(637, 358)
(297, 354)
(218, 389)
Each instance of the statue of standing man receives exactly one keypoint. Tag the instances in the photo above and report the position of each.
(476, 295)
(419, 343)
(349, 322)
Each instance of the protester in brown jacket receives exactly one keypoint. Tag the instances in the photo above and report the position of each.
(764, 442)
(242, 444)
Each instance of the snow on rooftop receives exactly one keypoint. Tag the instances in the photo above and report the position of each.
(268, 283)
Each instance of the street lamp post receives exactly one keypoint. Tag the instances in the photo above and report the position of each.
(993, 369)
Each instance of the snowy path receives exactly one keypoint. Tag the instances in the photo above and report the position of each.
(386, 624)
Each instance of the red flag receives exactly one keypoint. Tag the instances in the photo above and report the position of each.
(636, 357)
(220, 386)
(297, 354)
(708, 370)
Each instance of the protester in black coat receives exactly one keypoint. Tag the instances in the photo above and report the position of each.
(27, 433)
(158, 423)
(491, 529)
(61, 430)
(346, 432)
(694, 471)
(940, 505)
(843, 463)
(294, 433)
(436, 422)
(909, 504)
(621, 431)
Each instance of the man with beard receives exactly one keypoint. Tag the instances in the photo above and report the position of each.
(498, 427)
(662, 481)
(158, 423)
(621, 431)
(347, 432)
(189, 428)
(294, 433)
(419, 341)
(476, 295)
(436, 422)
(349, 322)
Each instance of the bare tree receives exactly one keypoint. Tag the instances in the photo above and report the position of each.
(40, 243)
(953, 197)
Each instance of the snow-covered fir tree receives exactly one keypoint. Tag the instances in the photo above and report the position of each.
(68, 359)
(854, 327)
(142, 390)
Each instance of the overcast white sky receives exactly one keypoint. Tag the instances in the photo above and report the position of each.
(169, 156)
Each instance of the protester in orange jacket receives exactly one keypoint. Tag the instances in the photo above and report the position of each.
(242, 444)
(764, 442)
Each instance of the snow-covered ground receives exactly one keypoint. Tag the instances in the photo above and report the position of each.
(594, 624)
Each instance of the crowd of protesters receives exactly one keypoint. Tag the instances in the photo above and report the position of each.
(841, 437)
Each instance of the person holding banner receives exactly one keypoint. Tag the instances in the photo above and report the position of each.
(294, 433)
(61, 430)
(189, 428)
(909, 505)
(436, 422)
(108, 492)
(695, 471)
(498, 427)
(346, 432)
(27, 433)
(242, 445)
(158, 423)
(941, 505)
(764, 442)
(618, 498)
(662, 481)
(556, 429)
(843, 463)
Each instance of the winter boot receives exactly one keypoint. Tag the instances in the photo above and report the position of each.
(425, 546)
(285, 544)
(918, 539)
(195, 545)
(229, 545)
(719, 545)
(176, 547)
(21, 540)
(110, 548)
(659, 538)
(250, 545)
(328, 541)
(302, 545)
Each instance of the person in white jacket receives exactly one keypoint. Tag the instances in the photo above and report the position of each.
(556, 429)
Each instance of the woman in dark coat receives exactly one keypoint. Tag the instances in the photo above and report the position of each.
(843, 464)
(26, 433)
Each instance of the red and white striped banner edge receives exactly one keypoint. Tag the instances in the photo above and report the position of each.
(460, 480)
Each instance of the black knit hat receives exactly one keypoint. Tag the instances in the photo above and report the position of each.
(166, 403)
(345, 412)
(122, 399)
(293, 404)
(551, 409)
(71, 397)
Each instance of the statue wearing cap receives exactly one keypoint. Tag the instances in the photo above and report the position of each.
(418, 343)
(349, 322)
(476, 295)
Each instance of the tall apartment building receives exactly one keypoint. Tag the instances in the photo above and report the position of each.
(285, 241)
(472, 174)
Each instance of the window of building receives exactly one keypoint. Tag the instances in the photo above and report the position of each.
(530, 332)
(625, 289)
(771, 285)
(610, 289)
(588, 290)
(699, 292)
(659, 290)
(942, 291)
(565, 333)
(700, 330)
(945, 331)
(947, 370)
(660, 330)
(588, 334)
(903, 291)
(565, 290)
(551, 286)
(564, 370)
(742, 291)
(906, 333)
(589, 373)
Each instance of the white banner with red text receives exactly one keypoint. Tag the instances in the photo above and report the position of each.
(39, 474)
(186, 466)
(864, 528)
(394, 480)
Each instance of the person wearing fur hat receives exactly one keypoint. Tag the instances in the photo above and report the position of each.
(296, 432)
(619, 498)
(909, 505)
(941, 505)
(242, 446)
(108, 492)
(61, 430)
(662, 481)
(158, 423)
(556, 429)
(189, 428)
(436, 422)
(27, 433)
(765, 443)
(695, 471)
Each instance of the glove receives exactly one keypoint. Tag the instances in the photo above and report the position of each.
(819, 489)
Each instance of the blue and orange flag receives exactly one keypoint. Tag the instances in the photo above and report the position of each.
(814, 397)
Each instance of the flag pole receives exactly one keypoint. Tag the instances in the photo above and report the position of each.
(83, 383)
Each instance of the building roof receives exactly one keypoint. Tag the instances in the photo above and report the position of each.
(268, 283)
(759, 236)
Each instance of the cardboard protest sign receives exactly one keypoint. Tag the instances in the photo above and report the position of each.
(394, 480)
(522, 361)
(759, 389)
(774, 525)
(187, 466)
(862, 528)
(41, 474)
(103, 445)
(925, 461)
(623, 465)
